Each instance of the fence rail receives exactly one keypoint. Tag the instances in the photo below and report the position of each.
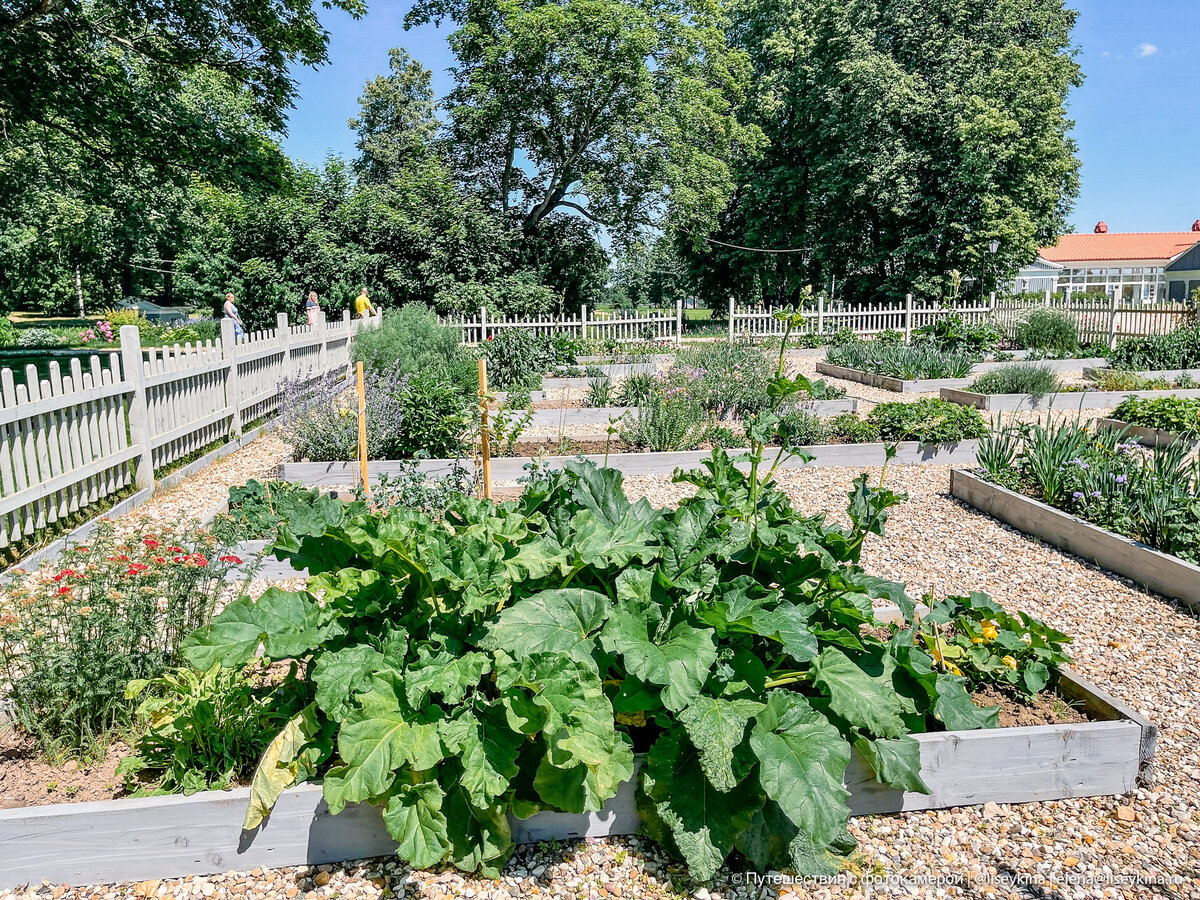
(73, 438)
(623, 326)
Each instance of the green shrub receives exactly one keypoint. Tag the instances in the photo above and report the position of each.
(600, 393)
(257, 508)
(73, 634)
(848, 428)
(1178, 415)
(520, 357)
(1117, 380)
(951, 334)
(1048, 330)
(1178, 350)
(39, 337)
(8, 332)
(1017, 378)
(801, 428)
(667, 422)
(929, 421)
(410, 341)
(636, 389)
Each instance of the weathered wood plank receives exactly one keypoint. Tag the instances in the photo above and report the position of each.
(1068, 400)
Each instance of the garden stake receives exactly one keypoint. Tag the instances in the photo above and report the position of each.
(362, 431)
(483, 431)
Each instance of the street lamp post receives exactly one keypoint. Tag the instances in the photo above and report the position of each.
(993, 248)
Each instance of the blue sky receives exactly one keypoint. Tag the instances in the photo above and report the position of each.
(1137, 115)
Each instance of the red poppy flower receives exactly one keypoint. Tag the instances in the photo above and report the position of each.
(231, 559)
(175, 550)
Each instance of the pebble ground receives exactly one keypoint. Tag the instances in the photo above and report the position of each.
(1141, 648)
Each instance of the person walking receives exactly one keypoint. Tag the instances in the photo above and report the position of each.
(312, 308)
(363, 305)
(231, 312)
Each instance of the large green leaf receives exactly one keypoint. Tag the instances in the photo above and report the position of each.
(451, 675)
(288, 624)
(414, 817)
(683, 808)
(555, 621)
(487, 749)
(788, 624)
(604, 545)
(717, 728)
(480, 838)
(375, 742)
(278, 767)
(895, 761)
(802, 761)
(340, 674)
(680, 663)
(866, 701)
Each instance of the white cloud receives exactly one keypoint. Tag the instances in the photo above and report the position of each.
(1146, 49)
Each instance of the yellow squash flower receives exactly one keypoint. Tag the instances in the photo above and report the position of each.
(989, 631)
(1010, 662)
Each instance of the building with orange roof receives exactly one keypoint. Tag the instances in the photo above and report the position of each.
(1136, 266)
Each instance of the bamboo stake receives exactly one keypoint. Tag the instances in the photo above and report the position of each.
(362, 431)
(483, 414)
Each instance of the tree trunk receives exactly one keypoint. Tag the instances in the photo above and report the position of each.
(79, 291)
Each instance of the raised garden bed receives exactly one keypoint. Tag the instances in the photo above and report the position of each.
(165, 837)
(1054, 365)
(602, 415)
(887, 383)
(1068, 400)
(1161, 572)
(1147, 437)
(1169, 374)
(314, 474)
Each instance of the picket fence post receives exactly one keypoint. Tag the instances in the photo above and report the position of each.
(583, 322)
(908, 312)
(679, 322)
(731, 321)
(134, 373)
(1112, 320)
(281, 327)
(483, 335)
(1047, 296)
(820, 313)
(233, 397)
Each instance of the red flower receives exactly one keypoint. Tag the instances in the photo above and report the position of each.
(83, 549)
(175, 550)
(489, 337)
(160, 559)
(120, 557)
(137, 569)
(65, 573)
(231, 559)
(180, 558)
(199, 559)
(65, 589)
(151, 543)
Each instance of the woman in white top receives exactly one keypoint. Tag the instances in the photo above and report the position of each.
(231, 312)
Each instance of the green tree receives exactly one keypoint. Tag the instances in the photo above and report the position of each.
(903, 138)
(620, 110)
(397, 123)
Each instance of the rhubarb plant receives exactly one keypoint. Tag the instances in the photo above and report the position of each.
(510, 658)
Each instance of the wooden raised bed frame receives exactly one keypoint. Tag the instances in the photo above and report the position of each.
(1161, 572)
(167, 837)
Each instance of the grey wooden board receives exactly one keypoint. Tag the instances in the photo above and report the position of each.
(313, 474)
(1157, 571)
(165, 837)
(1054, 365)
(551, 418)
(1071, 400)
(534, 396)
(262, 565)
(1147, 437)
(901, 386)
(1151, 373)
(655, 359)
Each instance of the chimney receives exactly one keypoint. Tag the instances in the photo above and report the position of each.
(1101, 228)
(1196, 225)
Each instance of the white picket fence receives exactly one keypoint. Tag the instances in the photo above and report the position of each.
(73, 438)
(1099, 321)
(625, 326)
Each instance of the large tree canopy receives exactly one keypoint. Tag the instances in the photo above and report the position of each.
(618, 110)
(108, 73)
(903, 137)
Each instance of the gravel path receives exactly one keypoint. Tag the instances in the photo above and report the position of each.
(1143, 649)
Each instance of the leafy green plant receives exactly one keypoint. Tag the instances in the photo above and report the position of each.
(801, 428)
(207, 730)
(1118, 380)
(636, 389)
(1178, 415)
(1017, 378)
(600, 393)
(256, 509)
(410, 341)
(929, 420)
(1048, 330)
(847, 428)
(511, 657)
(1178, 350)
(666, 422)
(410, 488)
(520, 357)
(8, 332)
(73, 634)
(952, 334)
(726, 380)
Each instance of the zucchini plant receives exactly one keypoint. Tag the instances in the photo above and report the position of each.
(511, 658)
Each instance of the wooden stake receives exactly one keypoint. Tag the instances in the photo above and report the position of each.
(483, 431)
(362, 430)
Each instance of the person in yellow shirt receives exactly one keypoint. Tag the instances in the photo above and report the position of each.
(363, 305)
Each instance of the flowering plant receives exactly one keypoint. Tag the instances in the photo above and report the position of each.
(73, 633)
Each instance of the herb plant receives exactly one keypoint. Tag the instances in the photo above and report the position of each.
(1048, 330)
(1178, 350)
(1017, 378)
(910, 361)
(1178, 415)
(511, 657)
